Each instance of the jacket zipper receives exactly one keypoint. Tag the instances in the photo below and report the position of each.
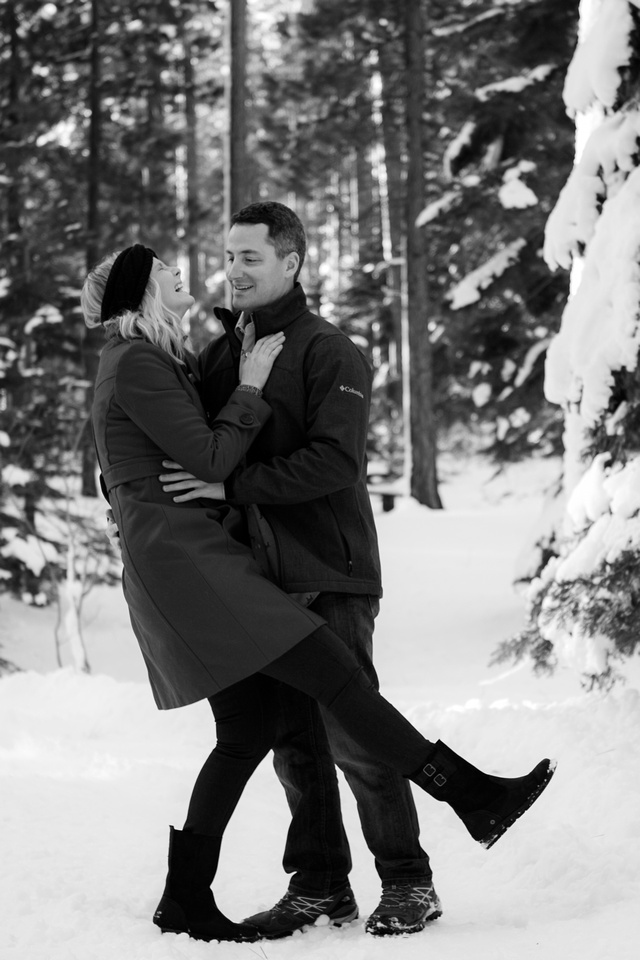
(344, 540)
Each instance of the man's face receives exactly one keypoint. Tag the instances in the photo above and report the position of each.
(257, 275)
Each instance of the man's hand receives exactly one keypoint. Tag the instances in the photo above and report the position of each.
(194, 488)
(113, 534)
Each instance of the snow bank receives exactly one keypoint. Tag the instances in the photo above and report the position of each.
(91, 774)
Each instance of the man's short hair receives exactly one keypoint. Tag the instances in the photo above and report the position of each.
(286, 232)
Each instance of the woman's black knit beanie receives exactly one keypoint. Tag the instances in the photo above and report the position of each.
(127, 281)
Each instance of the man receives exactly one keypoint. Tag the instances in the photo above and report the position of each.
(311, 523)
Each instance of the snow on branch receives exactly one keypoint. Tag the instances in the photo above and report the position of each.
(582, 605)
(516, 84)
(450, 29)
(33, 552)
(529, 361)
(514, 194)
(446, 202)
(14, 476)
(607, 501)
(457, 146)
(594, 72)
(467, 291)
(45, 314)
(600, 332)
(526, 368)
(608, 155)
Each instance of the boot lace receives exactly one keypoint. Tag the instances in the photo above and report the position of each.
(396, 895)
(309, 907)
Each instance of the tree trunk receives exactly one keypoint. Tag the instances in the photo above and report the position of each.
(392, 142)
(193, 214)
(93, 340)
(424, 483)
(369, 247)
(70, 602)
(313, 261)
(14, 241)
(159, 218)
(339, 200)
(95, 136)
(236, 185)
(371, 197)
(236, 188)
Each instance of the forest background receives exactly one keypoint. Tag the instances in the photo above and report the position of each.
(425, 240)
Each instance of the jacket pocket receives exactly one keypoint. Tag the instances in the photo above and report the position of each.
(264, 544)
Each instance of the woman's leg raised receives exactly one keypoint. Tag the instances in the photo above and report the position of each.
(323, 667)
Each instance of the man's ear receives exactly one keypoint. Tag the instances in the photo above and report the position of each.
(292, 261)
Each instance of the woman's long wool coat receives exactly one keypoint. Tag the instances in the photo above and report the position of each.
(204, 615)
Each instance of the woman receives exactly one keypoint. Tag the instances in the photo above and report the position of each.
(209, 625)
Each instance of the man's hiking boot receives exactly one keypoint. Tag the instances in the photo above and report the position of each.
(296, 911)
(406, 906)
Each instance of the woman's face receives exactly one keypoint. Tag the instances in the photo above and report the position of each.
(174, 296)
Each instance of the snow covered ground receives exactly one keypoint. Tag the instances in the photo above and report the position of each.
(91, 774)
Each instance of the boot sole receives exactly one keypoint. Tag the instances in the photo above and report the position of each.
(380, 929)
(170, 918)
(500, 829)
(195, 936)
(333, 922)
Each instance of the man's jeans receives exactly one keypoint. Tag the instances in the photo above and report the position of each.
(317, 852)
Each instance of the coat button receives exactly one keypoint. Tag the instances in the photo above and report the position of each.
(246, 418)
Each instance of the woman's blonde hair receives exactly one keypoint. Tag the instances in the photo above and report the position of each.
(151, 321)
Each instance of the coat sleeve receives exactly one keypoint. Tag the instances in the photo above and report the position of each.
(149, 391)
(338, 382)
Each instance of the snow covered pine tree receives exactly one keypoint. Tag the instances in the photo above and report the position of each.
(584, 590)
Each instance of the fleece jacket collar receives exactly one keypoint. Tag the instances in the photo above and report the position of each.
(270, 319)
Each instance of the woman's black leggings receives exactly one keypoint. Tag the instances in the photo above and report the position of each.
(324, 668)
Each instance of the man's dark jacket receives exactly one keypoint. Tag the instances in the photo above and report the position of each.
(306, 470)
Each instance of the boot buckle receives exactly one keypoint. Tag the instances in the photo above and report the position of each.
(438, 778)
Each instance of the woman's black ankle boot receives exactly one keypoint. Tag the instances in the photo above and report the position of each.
(487, 805)
(187, 904)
